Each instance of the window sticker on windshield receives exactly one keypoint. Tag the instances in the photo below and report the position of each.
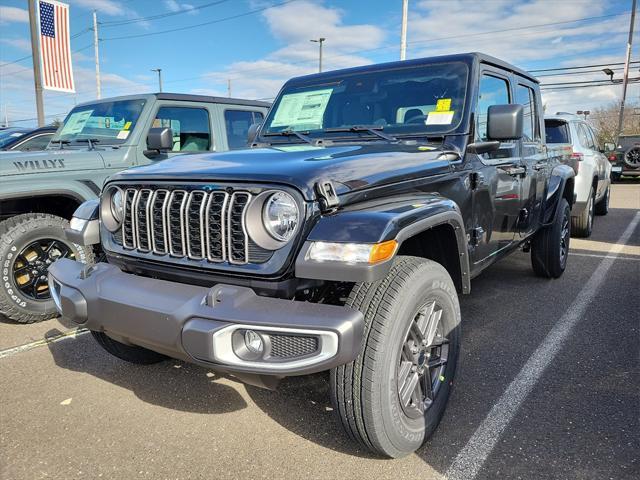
(439, 118)
(443, 105)
(76, 122)
(123, 134)
(127, 126)
(302, 109)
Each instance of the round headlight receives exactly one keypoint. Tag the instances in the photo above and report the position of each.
(280, 216)
(117, 205)
(112, 208)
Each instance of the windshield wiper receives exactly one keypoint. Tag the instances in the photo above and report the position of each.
(372, 129)
(61, 143)
(290, 133)
(89, 141)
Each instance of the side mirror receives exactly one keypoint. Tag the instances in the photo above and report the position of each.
(505, 122)
(160, 139)
(252, 133)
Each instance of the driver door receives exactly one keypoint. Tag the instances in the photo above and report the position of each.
(498, 184)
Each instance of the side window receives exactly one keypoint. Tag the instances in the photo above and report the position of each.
(583, 136)
(39, 142)
(592, 136)
(525, 97)
(493, 91)
(190, 126)
(237, 123)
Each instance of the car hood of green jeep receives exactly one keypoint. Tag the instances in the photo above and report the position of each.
(350, 167)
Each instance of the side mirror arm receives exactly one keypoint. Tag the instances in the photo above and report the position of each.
(483, 147)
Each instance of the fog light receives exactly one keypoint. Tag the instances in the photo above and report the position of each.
(253, 342)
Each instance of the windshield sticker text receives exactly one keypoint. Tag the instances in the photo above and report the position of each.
(439, 118)
(302, 109)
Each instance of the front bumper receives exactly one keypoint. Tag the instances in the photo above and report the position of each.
(197, 324)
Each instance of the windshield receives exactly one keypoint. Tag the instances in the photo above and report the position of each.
(423, 100)
(110, 123)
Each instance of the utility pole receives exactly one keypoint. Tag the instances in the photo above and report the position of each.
(159, 70)
(403, 30)
(229, 87)
(97, 56)
(625, 80)
(35, 55)
(319, 41)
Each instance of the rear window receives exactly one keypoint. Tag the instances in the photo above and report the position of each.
(557, 131)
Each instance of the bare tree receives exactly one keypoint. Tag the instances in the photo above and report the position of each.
(605, 121)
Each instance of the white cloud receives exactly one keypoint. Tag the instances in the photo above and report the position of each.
(108, 7)
(174, 6)
(18, 43)
(13, 14)
(295, 24)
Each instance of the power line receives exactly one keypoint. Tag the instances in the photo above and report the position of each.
(118, 23)
(211, 22)
(635, 81)
(585, 72)
(584, 66)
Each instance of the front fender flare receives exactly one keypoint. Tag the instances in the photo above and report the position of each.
(379, 221)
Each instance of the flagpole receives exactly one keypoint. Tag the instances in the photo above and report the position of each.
(97, 56)
(35, 54)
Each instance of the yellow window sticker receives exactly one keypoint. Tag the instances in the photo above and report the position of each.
(443, 105)
(439, 118)
(127, 126)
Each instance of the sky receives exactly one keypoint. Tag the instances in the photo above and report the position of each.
(256, 45)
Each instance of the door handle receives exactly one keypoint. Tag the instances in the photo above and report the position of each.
(514, 171)
(539, 166)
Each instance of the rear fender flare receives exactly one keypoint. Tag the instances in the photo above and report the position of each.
(561, 177)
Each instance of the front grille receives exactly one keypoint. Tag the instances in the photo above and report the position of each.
(290, 346)
(194, 224)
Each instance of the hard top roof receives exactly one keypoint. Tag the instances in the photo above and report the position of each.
(459, 57)
(185, 97)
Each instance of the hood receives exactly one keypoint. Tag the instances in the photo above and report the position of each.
(17, 163)
(350, 167)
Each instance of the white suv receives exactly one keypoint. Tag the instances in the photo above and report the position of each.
(574, 140)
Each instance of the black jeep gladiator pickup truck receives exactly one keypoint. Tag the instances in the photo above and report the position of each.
(370, 199)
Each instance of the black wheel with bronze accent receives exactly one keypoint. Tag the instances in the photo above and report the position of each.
(392, 397)
(29, 243)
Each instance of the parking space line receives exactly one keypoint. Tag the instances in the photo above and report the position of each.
(472, 457)
(595, 255)
(45, 341)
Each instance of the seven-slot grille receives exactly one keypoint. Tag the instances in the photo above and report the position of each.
(195, 224)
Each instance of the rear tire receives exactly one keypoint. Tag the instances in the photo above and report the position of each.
(417, 295)
(582, 225)
(29, 243)
(550, 246)
(128, 353)
(602, 207)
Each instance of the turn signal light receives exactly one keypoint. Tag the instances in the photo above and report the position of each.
(382, 251)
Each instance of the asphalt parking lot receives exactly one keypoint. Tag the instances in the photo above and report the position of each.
(548, 387)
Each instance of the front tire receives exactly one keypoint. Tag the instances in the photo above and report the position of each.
(29, 243)
(550, 246)
(393, 395)
(128, 353)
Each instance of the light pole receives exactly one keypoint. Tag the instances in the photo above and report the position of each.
(319, 41)
(403, 30)
(584, 112)
(608, 71)
(159, 70)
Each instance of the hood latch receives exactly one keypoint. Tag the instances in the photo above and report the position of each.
(327, 195)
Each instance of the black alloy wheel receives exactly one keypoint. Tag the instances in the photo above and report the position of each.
(31, 265)
(423, 359)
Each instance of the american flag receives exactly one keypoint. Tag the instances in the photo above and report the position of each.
(55, 51)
